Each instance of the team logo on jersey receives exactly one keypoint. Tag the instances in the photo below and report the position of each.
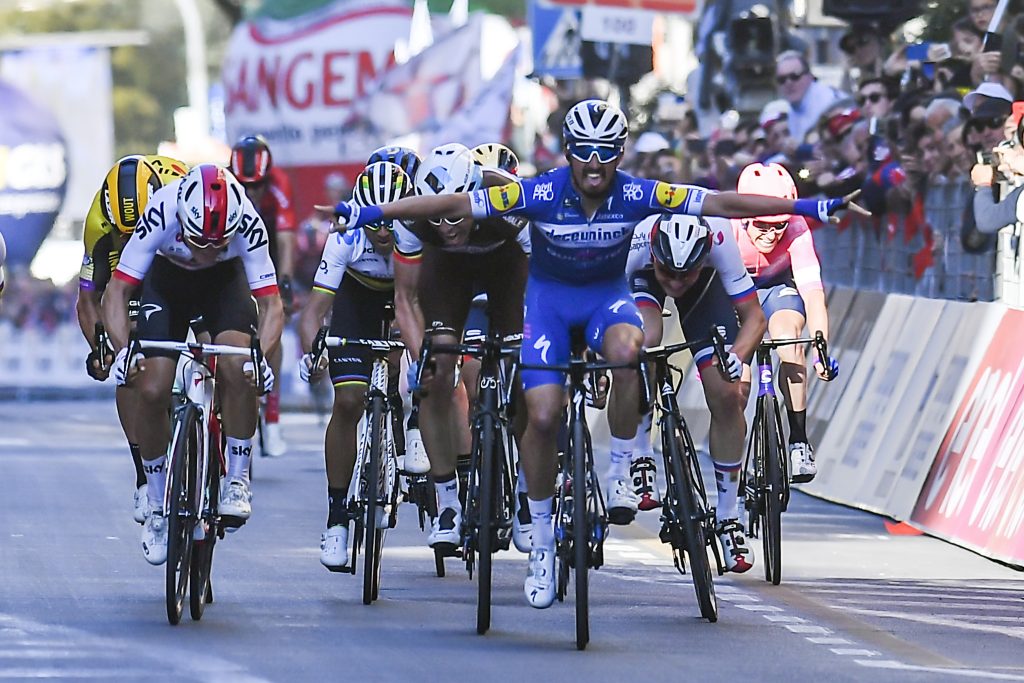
(670, 196)
(544, 192)
(632, 192)
(505, 197)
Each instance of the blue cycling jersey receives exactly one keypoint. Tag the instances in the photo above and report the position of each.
(567, 245)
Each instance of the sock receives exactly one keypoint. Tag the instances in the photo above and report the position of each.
(797, 426)
(622, 455)
(521, 481)
(239, 458)
(414, 415)
(156, 477)
(273, 412)
(727, 478)
(337, 510)
(447, 493)
(140, 473)
(642, 447)
(543, 532)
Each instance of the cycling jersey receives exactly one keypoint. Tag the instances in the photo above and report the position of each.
(566, 245)
(159, 232)
(353, 253)
(103, 243)
(486, 236)
(792, 259)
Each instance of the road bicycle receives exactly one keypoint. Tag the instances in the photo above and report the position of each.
(490, 482)
(765, 474)
(687, 520)
(195, 464)
(373, 493)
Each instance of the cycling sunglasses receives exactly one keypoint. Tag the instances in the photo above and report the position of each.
(763, 227)
(206, 244)
(436, 222)
(377, 226)
(584, 152)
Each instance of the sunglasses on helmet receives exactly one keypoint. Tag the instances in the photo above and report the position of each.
(200, 243)
(584, 152)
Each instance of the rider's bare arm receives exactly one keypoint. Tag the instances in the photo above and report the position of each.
(115, 311)
(736, 205)
(408, 314)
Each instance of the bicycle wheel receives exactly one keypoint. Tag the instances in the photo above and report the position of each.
(374, 536)
(485, 522)
(200, 589)
(181, 515)
(689, 512)
(774, 492)
(580, 534)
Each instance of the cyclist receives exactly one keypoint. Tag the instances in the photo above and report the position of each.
(696, 262)
(200, 249)
(356, 304)
(582, 219)
(268, 188)
(778, 252)
(113, 215)
(450, 260)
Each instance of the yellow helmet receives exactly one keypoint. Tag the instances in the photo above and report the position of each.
(496, 155)
(126, 191)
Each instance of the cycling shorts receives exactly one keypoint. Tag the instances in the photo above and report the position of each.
(703, 305)
(172, 296)
(358, 313)
(553, 308)
(784, 297)
(449, 281)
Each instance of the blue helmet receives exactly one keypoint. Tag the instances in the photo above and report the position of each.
(404, 157)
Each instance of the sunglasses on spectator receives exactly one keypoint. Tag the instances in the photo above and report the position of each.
(873, 98)
(377, 226)
(585, 152)
(762, 226)
(206, 244)
(450, 221)
(781, 79)
(989, 123)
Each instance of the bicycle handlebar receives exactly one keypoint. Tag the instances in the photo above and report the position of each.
(198, 351)
(322, 342)
(819, 342)
(509, 348)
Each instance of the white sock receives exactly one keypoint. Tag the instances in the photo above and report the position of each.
(448, 494)
(543, 531)
(622, 456)
(239, 458)
(156, 477)
(642, 447)
(727, 478)
(521, 481)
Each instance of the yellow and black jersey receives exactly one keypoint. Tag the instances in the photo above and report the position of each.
(103, 242)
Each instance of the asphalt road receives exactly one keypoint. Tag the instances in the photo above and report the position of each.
(77, 600)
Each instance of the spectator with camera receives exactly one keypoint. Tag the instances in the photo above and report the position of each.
(998, 180)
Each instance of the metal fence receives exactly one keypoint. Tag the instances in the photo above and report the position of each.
(919, 254)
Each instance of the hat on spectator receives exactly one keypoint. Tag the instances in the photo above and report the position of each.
(839, 124)
(773, 112)
(855, 34)
(987, 90)
(992, 109)
(650, 141)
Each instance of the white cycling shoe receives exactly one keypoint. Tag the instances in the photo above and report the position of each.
(645, 482)
(334, 548)
(141, 503)
(274, 445)
(540, 578)
(801, 456)
(154, 538)
(522, 524)
(416, 460)
(737, 555)
(235, 501)
(446, 529)
(622, 500)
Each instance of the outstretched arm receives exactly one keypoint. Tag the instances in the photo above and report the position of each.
(409, 209)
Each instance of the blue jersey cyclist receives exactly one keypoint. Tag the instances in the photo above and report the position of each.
(582, 219)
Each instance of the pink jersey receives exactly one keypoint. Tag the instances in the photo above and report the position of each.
(795, 251)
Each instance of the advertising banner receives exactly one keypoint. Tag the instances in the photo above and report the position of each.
(974, 494)
(556, 40)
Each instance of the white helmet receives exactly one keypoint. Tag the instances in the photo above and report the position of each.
(448, 169)
(381, 183)
(595, 122)
(210, 204)
(679, 242)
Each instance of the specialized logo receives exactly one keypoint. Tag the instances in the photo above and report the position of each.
(617, 305)
(149, 309)
(544, 192)
(543, 345)
(670, 196)
(633, 192)
(505, 197)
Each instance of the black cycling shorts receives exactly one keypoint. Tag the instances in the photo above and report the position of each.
(450, 280)
(358, 313)
(172, 296)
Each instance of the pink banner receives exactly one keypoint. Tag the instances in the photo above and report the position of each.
(974, 494)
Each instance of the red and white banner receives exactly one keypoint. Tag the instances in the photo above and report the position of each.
(974, 494)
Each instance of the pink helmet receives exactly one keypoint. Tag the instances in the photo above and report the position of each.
(772, 180)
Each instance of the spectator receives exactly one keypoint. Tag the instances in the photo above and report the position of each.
(874, 97)
(985, 129)
(966, 40)
(990, 212)
(808, 98)
(865, 46)
(985, 92)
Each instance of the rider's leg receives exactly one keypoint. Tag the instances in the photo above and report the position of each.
(239, 404)
(273, 442)
(792, 371)
(621, 344)
(153, 390)
(127, 400)
(340, 445)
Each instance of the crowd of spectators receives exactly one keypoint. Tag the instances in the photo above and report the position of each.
(32, 304)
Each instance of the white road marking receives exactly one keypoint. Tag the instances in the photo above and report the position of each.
(807, 628)
(1011, 631)
(853, 652)
(828, 640)
(965, 673)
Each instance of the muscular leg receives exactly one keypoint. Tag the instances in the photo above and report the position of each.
(537, 456)
(792, 371)
(340, 440)
(726, 401)
(127, 400)
(436, 415)
(153, 389)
